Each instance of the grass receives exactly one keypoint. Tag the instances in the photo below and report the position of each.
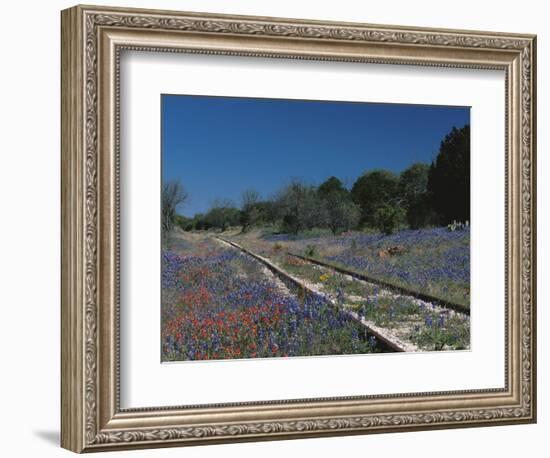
(331, 281)
(436, 253)
(429, 328)
(387, 311)
(220, 304)
(434, 262)
(396, 283)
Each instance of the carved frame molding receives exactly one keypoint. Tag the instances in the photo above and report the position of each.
(92, 39)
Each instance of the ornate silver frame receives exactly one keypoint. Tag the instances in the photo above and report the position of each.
(92, 39)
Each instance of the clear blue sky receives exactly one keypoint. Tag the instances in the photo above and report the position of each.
(220, 146)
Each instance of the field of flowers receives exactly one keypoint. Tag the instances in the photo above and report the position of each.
(433, 261)
(425, 325)
(219, 304)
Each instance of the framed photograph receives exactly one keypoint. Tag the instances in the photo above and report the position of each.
(278, 228)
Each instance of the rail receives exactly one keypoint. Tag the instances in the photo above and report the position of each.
(382, 335)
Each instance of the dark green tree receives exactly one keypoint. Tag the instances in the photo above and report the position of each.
(413, 193)
(184, 223)
(330, 187)
(420, 212)
(374, 190)
(388, 218)
(341, 213)
(413, 182)
(222, 215)
(199, 222)
(449, 177)
(268, 211)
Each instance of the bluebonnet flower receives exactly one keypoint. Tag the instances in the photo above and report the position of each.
(420, 267)
(220, 313)
(372, 341)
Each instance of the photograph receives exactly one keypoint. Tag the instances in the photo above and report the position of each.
(312, 228)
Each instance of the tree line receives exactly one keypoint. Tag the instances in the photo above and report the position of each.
(422, 195)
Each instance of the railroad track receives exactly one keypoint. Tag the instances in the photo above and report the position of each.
(383, 335)
(390, 286)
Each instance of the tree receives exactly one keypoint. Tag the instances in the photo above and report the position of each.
(420, 212)
(199, 222)
(331, 186)
(268, 210)
(413, 193)
(341, 213)
(449, 177)
(300, 208)
(250, 212)
(173, 194)
(387, 218)
(184, 223)
(413, 182)
(222, 215)
(374, 190)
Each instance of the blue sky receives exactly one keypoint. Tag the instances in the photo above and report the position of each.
(220, 146)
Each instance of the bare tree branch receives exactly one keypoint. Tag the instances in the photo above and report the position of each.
(173, 194)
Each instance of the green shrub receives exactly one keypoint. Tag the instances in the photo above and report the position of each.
(388, 218)
(310, 251)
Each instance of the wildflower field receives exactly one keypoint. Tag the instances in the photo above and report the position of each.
(434, 261)
(267, 253)
(218, 303)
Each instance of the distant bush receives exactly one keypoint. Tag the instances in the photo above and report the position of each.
(340, 213)
(373, 191)
(250, 212)
(388, 218)
(310, 251)
(332, 186)
(300, 208)
(184, 223)
(222, 215)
